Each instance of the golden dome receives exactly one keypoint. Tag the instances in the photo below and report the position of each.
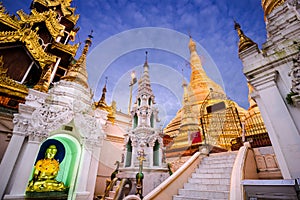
(269, 5)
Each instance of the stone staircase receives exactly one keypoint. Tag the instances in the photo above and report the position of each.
(211, 181)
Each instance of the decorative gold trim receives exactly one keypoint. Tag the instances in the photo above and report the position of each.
(30, 38)
(67, 11)
(7, 19)
(9, 86)
(70, 49)
(73, 18)
(49, 17)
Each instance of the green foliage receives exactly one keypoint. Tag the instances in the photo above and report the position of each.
(289, 99)
(169, 168)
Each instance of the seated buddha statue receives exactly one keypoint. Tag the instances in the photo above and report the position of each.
(45, 172)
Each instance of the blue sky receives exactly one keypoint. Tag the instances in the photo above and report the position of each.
(209, 22)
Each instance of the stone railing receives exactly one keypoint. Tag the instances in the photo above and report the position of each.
(170, 186)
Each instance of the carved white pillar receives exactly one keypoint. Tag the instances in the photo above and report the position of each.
(281, 127)
(160, 157)
(55, 69)
(9, 160)
(133, 156)
(83, 172)
(93, 170)
(151, 155)
(24, 168)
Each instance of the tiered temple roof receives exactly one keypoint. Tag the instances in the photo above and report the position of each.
(34, 47)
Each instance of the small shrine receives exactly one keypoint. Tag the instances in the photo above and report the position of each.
(144, 151)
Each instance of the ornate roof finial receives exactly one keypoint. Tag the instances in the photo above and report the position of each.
(102, 102)
(184, 83)
(146, 58)
(104, 88)
(244, 42)
(189, 32)
(192, 45)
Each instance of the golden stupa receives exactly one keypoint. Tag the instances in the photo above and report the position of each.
(201, 96)
(253, 116)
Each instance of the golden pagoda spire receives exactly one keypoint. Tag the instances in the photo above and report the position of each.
(102, 103)
(244, 42)
(185, 90)
(200, 83)
(269, 5)
(77, 72)
(44, 82)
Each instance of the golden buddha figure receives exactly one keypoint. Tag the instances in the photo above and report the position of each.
(45, 172)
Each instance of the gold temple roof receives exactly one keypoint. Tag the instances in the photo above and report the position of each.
(8, 20)
(30, 39)
(54, 27)
(9, 86)
(269, 5)
(67, 48)
(67, 11)
(49, 17)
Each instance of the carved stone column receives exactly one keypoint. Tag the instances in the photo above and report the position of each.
(25, 164)
(279, 123)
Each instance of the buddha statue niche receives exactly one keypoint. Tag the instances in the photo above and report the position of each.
(45, 172)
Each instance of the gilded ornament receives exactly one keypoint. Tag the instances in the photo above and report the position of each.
(7, 19)
(49, 17)
(67, 48)
(45, 173)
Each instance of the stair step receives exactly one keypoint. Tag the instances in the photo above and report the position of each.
(206, 187)
(203, 194)
(217, 161)
(178, 197)
(221, 165)
(211, 175)
(218, 156)
(214, 170)
(223, 181)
